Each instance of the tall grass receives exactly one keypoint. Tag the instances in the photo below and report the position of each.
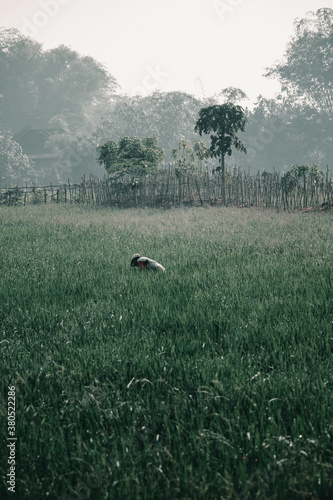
(212, 380)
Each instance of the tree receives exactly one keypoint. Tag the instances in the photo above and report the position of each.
(202, 153)
(74, 84)
(20, 64)
(232, 94)
(37, 85)
(224, 120)
(307, 71)
(311, 171)
(168, 116)
(300, 174)
(131, 156)
(59, 91)
(183, 157)
(15, 167)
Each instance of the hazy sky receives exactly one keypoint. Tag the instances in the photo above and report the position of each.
(196, 46)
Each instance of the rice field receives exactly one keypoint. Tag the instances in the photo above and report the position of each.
(212, 380)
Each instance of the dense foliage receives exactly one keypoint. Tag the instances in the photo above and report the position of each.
(75, 100)
(307, 71)
(58, 91)
(15, 165)
(224, 121)
(131, 156)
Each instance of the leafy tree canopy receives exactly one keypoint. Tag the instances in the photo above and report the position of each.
(225, 121)
(37, 85)
(15, 167)
(168, 116)
(186, 154)
(299, 174)
(183, 157)
(232, 94)
(59, 91)
(307, 70)
(304, 171)
(131, 156)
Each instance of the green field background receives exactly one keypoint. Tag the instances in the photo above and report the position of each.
(212, 380)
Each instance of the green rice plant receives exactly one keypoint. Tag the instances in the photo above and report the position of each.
(211, 380)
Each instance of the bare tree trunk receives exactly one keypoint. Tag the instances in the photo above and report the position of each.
(223, 179)
(198, 188)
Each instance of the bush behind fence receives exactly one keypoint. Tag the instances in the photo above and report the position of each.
(172, 188)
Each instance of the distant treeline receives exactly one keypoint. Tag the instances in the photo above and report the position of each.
(172, 188)
(57, 106)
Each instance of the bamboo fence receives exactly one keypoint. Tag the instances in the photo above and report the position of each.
(174, 188)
